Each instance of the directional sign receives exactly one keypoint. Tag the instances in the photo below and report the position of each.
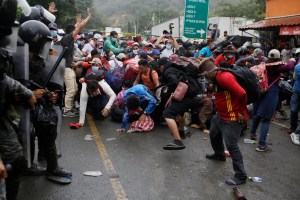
(195, 18)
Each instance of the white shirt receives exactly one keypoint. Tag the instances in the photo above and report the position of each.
(115, 63)
(84, 98)
(167, 53)
(87, 48)
(286, 55)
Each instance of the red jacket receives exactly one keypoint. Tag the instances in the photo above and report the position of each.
(231, 98)
(220, 58)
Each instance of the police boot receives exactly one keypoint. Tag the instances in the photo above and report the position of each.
(35, 170)
(55, 173)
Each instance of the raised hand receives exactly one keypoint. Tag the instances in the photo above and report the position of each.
(52, 7)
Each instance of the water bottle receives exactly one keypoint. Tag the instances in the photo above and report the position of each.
(255, 179)
(248, 141)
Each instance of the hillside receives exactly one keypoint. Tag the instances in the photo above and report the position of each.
(145, 13)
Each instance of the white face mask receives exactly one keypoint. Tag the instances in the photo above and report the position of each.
(169, 47)
(149, 52)
(135, 52)
(180, 46)
(112, 57)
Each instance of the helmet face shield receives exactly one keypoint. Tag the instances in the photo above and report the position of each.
(44, 51)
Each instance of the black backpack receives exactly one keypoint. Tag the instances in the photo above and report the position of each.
(247, 79)
(189, 74)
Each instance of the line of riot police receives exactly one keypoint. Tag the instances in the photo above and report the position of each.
(31, 89)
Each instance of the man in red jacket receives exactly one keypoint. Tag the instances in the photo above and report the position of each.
(230, 100)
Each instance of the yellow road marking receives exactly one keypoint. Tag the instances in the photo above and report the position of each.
(114, 180)
(279, 124)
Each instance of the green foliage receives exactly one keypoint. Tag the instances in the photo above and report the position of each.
(251, 9)
(68, 9)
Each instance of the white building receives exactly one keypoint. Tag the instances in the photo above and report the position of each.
(158, 29)
(229, 24)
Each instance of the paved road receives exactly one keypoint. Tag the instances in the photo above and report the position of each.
(135, 167)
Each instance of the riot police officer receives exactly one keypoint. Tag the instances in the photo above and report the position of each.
(10, 149)
(44, 118)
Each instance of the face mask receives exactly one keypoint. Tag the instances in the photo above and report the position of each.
(180, 46)
(112, 57)
(53, 33)
(79, 42)
(230, 56)
(100, 51)
(113, 39)
(169, 47)
(95, 68)
(135, 52)
(149, 52)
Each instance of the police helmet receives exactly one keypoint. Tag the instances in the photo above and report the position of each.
(8, 13)
(37, 35)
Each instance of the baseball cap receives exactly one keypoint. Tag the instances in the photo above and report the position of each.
(96, 60)
(143, 55)
(297, 51)
(121, 56)
(149, 45)
(135, 44)
(274, 53)
(155, 52)
(53, 26)
(97, 36)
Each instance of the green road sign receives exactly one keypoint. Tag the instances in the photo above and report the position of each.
(195, 18)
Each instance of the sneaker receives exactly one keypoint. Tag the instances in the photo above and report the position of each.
(295, 138)
(75, 110)
(235, 181)
(59, 172)
(35, 170)
(263, 148)
(70, 114)
(253, 136)
(176, 145)
(216, 157)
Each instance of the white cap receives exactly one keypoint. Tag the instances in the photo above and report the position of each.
(98, 37)
(274, 53)
(297, 51)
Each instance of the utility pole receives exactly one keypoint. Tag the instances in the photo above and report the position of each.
(178, 27)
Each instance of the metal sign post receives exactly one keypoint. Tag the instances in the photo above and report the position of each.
(196, 18)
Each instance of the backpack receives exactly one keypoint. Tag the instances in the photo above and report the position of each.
(190, 69)
(247, 79)
(261, 72)
(118, 78)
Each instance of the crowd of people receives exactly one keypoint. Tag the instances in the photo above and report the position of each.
(140, 83)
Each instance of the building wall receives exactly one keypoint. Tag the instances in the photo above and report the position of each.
(279, 8)
(158, 29)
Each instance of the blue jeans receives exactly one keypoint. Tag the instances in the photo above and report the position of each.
(229, 131)
(295, 107)
(96, 105)
(263, 111)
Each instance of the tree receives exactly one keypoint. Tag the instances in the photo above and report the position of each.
(252, 9)
(68, 9)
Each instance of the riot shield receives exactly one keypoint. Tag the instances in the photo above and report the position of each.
(21, 73)
(56, 84)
